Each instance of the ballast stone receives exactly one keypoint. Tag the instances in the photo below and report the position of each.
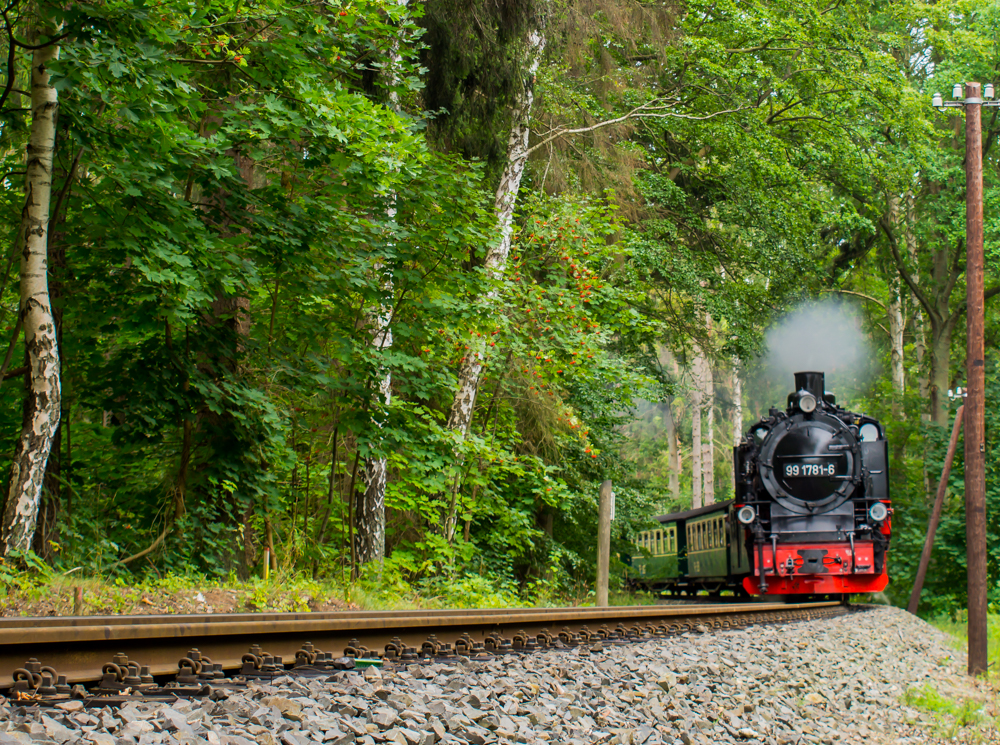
(834, 682)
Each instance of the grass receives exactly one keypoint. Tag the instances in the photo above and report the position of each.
(951, 716)
(969, 719)
(957, 628)
(36, 589)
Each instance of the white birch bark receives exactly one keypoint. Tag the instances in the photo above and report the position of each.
(460, 415)
(42, 401)
(370, 512)
(696, 447)
(737, 404)
(920, 335)
(896, 319)
(708, 454)
(673, 451)
(896, 325)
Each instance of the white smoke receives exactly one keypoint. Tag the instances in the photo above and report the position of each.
(824, 336)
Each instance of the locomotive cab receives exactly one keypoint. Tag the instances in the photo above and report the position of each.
(812, 490)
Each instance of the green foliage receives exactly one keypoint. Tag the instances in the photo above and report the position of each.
(242, 189)
(22, 572)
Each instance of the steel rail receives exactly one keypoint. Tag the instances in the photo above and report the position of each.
(79, 646)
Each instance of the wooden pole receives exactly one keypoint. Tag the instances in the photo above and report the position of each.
(975, 424)
(603, 543)
(925, 556)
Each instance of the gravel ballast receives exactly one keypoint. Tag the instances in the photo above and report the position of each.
(831, 681)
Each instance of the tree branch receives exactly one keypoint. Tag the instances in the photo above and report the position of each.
(10, 353)
(645, 111)
(907, 277)
(860, 295)
(11, 59)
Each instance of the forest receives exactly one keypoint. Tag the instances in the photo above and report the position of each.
(380, 291)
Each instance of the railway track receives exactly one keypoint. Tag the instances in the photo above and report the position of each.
(129, 652)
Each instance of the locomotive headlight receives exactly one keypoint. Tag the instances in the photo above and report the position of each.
(746, 514)
(878, 512)
(807, 403)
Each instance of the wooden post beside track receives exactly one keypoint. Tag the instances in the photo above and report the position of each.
(603, 543)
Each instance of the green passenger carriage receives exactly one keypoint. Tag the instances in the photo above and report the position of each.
(701, 549)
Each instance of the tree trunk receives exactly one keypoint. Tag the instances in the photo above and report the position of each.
(919, 332)
(42, 402)
(897, 320)
(737, 404)
(371, 504)
(696, 450)
(674, 462)
(708, 455)
(896, 325)
(374, 469)
(940, 375)
(460, 415)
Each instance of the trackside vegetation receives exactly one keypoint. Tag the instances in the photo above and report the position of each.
(374, 294)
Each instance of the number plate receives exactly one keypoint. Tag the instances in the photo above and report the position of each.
(809, 470)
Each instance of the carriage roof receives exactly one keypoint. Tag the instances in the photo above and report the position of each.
(689, 514)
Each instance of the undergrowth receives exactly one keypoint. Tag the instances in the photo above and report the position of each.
(28, 586)
(964, 718)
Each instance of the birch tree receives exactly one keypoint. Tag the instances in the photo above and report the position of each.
(673, 450)
(696, 447)
(370, 510)
(460, 414)
(43, 400)
(708, 455)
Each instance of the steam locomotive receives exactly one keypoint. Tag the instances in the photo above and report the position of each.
(811, 516)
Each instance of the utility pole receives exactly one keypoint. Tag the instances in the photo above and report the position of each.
(975, 368)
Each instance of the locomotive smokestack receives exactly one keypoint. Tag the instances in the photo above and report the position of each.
(814, 382)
